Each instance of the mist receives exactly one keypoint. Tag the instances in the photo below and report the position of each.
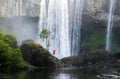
(23, 28)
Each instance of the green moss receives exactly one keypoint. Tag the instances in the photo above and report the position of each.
(31, 43)
(94, 42)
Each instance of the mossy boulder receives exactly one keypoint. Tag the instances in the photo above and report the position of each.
(36, 55)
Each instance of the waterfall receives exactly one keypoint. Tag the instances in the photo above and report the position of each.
(110, 25)
(54, 16)
(76, 10)
(63, 18)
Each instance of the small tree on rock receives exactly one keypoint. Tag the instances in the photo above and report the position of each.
(45, 34)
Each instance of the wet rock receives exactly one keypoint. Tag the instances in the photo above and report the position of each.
(98, 61)
(36, 55)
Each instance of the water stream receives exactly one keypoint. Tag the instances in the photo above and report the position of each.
(110, 25)
(63, 18)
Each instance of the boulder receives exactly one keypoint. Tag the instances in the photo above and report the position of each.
(36, 55)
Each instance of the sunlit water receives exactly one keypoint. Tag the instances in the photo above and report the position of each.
(50, 74)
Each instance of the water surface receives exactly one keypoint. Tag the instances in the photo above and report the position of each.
(45, 73)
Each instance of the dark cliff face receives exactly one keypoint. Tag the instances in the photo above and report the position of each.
(91, 25)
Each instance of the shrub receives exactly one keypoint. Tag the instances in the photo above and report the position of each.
(45, 34)
(10, 59)
(94, 42)
(9, 39)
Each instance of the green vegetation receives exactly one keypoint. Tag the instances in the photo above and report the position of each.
(9, 39)
(94, 42)
(1, 31)
(10, 59)
(45, 34)
(116, 39)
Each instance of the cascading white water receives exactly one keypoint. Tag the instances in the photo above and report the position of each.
(54, 16)
(63, 18)
(110, 25)
(76, 10)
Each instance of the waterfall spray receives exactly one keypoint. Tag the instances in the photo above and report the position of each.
(65, 25)
(76, 10)
(54, 16)
(110, 25)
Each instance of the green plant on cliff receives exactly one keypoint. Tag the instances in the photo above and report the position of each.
(94, 42)
(45, 34)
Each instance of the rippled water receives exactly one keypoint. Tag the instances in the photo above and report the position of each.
(45, 73)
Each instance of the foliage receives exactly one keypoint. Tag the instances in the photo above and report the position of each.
(94, 42)
(116, 39)
(45, 34)
(9, 39)
(10, 59)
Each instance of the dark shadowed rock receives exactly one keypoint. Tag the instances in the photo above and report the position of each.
(98, 61)
(36, 55)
